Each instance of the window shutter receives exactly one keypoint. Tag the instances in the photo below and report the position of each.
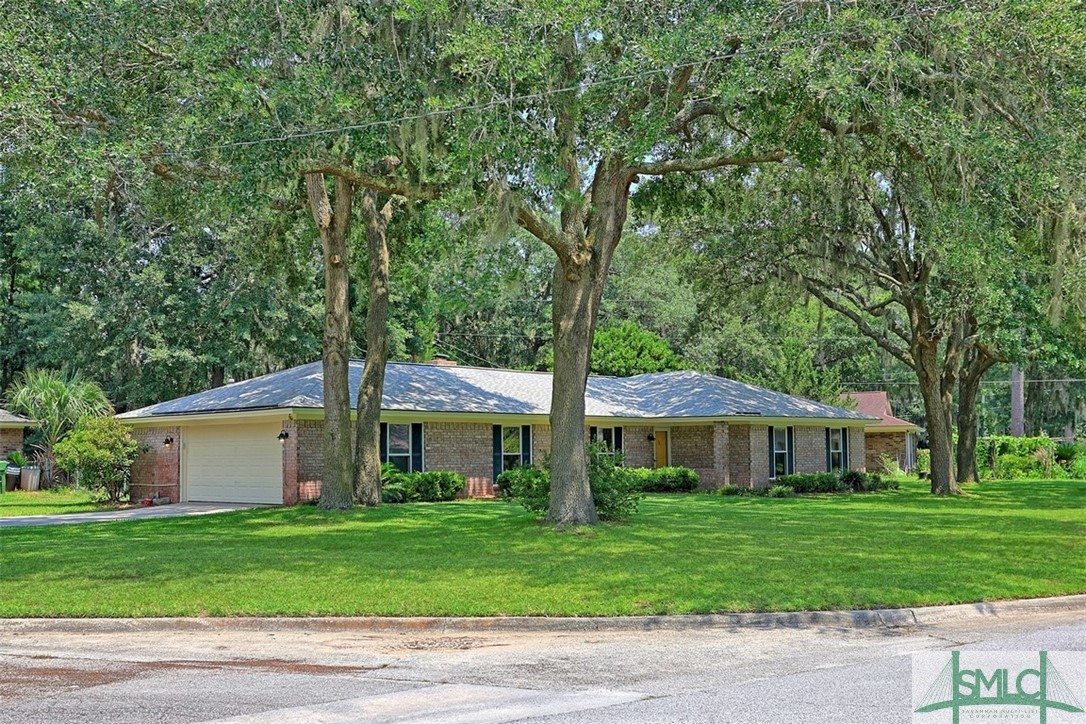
(772, 467)
(844, 449)
(526, 445)
(791, 466)
(416, 447)
(829, 460)
(384, 442)
(618, 439)
(497, 452)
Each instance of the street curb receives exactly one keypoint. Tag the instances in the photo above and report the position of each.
(861, 619)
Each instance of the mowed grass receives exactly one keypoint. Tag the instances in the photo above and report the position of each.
(46, 502)
(679, 554)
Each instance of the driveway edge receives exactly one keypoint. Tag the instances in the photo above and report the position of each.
(860, 619)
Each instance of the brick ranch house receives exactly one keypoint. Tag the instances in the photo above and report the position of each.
(891, 436)
(11, 432)
(260, 440)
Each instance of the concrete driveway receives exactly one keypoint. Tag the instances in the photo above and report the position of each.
(140, 513)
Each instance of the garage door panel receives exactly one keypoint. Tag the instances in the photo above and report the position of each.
(233, 463)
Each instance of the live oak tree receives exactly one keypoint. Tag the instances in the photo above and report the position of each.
(577, 102)
(903, 215)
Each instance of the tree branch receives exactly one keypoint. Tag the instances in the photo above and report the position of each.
(380, 183)
(862, 324)
(688, 165)
(540, 228)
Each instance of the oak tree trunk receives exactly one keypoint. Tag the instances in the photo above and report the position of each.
(577, 287)
(980, 361)
(937, 408)
(968, 391)
(367, 470)
(334, 225)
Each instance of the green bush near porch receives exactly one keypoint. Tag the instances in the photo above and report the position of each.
(676, 554)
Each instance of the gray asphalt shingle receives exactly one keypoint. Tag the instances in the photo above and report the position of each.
(435, 388)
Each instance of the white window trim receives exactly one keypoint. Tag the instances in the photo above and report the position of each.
(520, 445)
(773, 452)
(839, 451)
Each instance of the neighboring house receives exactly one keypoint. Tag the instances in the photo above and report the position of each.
(261, 440)
(891, 436)
(11, 432)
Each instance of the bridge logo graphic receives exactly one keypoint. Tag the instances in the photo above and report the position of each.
(1001, 686)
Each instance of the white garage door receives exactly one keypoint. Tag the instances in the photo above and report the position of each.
(240, 463)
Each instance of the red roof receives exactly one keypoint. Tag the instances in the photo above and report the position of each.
(877, 404)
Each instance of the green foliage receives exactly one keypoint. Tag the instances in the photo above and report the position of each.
(17, 458)
(56, 402)
(1077, 470)
(628, 349)
(923, 461)
(853, 480)
(804, 483)
(100, 452)
(781, 491)
(665, 480)
(890, 466)
(1067, 452)
(1013, 466)
(732, 490)
(431, 486)
(615, 490)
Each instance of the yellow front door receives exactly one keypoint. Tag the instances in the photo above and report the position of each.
(661, 448)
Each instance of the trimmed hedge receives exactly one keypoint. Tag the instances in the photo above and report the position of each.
(666, 480)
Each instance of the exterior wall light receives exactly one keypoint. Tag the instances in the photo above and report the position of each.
(168, 442)
(283, 435)
(652, 437)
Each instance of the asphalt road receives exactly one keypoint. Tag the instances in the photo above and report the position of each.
(717, 675)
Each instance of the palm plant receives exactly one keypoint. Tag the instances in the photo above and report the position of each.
(56, 402)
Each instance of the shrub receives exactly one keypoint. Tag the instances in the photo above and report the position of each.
(890, 466)
(101, 451)
(1077, 471)
(432, 486)
(615, 490)
(1067, 453)
(853, 480)
(666, 480)
(17, 458)
(781, 491)
(812, 482)
(1010, 466)
(730, 489)
(923, 462)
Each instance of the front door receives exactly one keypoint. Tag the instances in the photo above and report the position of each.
(661, 451)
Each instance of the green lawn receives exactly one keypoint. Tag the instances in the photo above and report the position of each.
(679, 554)
(47, 502)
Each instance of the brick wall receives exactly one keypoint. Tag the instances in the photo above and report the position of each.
(856, 449)
(721, 457)
(739, 455)
(692, 447)
(541, 444)
(637, 449)
(157, 471)
(810, 451)
(10, 441)
(891, 444)
(466, 448)
(759, 455)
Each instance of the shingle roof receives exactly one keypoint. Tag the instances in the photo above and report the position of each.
(8, 417)
(434, 388)
(876, 403)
